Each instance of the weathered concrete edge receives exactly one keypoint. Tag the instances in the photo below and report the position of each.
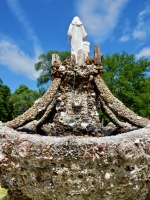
(11, 134)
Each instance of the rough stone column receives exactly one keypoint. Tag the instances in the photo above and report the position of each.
(97, 55)
(111, 116)
(39, 106)
(117, 106)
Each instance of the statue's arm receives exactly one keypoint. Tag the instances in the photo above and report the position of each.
(69, 33)
(69, 39)
(84, 34)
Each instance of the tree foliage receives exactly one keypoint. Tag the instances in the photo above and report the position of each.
(44, 66)
(5, 103)
(127, 78)
(22, 99)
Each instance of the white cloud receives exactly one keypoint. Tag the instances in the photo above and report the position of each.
(139, 34)
(11, 55)
(16, 60)
(124, 38)
(22, 18)
(100, 17)
(145, 52)
(142, 30)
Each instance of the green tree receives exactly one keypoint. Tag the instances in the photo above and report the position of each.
(127, 78)
(5, 103)
(44, 66)
(22, 99)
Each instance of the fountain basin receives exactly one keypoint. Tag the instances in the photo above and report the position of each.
(74, 168)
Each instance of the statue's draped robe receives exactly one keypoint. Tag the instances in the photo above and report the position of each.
(77, 33)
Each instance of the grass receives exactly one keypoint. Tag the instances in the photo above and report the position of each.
(3, 194)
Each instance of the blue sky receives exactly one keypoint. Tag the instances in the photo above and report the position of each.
(31, 27)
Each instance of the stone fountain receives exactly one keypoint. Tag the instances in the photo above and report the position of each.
(64, 154)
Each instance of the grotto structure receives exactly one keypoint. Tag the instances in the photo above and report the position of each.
(71, 104)
(65, 156)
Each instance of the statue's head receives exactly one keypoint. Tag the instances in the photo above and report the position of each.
(76, 21)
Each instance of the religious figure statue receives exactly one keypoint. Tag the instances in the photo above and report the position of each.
(86, 48)
(77, 35)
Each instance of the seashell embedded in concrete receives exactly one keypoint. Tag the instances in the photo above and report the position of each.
(61, 68)
(1, 155)
(71, 122)
(84, 123)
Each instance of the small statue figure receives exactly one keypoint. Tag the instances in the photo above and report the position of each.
(86, 48)
(77, 34)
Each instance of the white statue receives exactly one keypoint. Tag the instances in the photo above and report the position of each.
(77, 35)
